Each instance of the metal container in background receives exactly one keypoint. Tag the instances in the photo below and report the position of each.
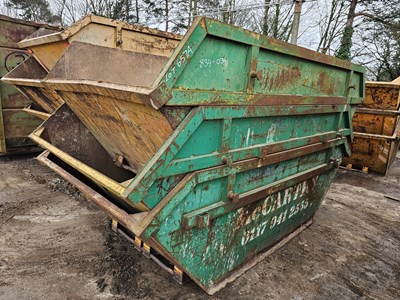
(48, 49)
(376, 126)
(68, 133)
(15, 123)
(222, 150)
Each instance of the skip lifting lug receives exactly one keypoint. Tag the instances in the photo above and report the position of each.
(335, 161)
(202, 221)
(233, 197)
(256, 75)
(226, 160)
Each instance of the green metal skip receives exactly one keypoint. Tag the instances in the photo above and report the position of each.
(221, 153)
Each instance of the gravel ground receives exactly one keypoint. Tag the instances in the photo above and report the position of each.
(54, 244)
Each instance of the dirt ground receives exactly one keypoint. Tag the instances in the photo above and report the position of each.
(54, 244)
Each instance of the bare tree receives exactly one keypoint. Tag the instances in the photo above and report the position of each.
(331, 25)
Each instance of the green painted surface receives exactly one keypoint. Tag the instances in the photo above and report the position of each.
(220, 63)
(272, 142)
(215, 68)
(209, 253)
(202, 149)
(278, 158)
(196, 136)
(283, 74)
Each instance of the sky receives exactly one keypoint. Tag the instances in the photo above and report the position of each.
(313, 12)
(308, 34)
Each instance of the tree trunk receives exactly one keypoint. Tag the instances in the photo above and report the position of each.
(127, 10)
(231, 15)
(195, 12)
(225, 16)
(322, 46)
(266, 12)
(166, 15)
(190, 21)
(276, 20)
(346, 43)
(137, 11)
(331, 29)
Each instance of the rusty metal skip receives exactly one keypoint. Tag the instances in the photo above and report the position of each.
(209, 158)
(15, 122)
(376, 126)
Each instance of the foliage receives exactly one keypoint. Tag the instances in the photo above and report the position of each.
(344, 50)
(378, 48)
(115, 9)
(32, 10)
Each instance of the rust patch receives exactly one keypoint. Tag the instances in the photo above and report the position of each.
(284, 77)
(381, 97)
(326, 84)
